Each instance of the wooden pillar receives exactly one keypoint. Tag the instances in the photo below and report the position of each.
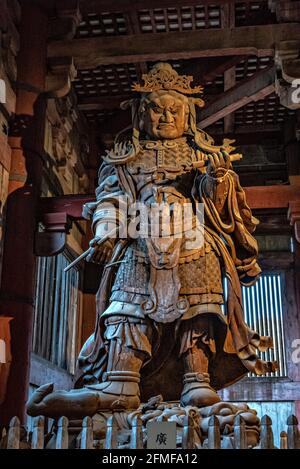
(26, 141)
(92, 272)
(292, 322)
(292, 290)
(292, 149)
(297, 293)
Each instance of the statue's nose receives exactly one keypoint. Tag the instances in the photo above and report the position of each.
(167, 116)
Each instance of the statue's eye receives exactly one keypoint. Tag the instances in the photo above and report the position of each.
(157, 109)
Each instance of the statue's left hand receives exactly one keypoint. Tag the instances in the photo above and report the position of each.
(219, 164)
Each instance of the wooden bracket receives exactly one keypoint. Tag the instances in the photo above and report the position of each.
(58, 221)
(49, 244)
(288, 70)
(294, 217)
(61, 74)
(52, 240)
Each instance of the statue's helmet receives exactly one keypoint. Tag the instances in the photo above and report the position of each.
(163, 76)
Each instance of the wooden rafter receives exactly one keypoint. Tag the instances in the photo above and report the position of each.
(228, 21)
(219, 67)
(260, 85)
(133, 28)
(248, 40)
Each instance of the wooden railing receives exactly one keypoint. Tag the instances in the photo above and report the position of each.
(17, 437)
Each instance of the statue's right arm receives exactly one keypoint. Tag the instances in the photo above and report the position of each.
(106, 213)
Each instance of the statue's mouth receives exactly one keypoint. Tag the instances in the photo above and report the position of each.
(166, 126)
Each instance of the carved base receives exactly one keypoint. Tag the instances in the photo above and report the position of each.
(156, 410)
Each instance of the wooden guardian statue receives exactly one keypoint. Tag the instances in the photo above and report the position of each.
(160, 327)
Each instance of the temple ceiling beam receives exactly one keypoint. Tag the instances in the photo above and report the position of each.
(136, 48)
(100, 6)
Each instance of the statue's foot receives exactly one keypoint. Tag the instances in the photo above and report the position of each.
(197, 391)
(72, 404)
(120, 391)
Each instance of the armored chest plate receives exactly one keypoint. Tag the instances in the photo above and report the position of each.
(170, 158)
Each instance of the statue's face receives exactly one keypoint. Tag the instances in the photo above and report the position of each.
(165, 115)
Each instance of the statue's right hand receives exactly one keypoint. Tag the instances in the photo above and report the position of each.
(100, 251)
(218, 163)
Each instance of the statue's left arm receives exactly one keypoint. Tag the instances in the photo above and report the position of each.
(228, 216)
(216, 182)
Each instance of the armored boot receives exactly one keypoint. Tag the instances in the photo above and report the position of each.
(119, 389)
(197, 390)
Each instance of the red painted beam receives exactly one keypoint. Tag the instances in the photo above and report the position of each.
(69, 204)
(258, 197)
(277, 196)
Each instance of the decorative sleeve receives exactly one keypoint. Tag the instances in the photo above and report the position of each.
(107, 212)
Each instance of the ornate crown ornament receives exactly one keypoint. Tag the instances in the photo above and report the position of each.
(163, 77)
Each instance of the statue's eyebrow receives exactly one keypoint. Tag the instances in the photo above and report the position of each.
(154, 104)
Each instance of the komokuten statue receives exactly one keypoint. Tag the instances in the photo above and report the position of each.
(160, 326)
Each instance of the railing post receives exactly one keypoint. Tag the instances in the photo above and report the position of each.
(87, 436)
(37, 441)
(283, 440)
(111, 433)
(240, 439)
(266, 433)
(293, 438)
(188, 441)
(14, 431)
(3, 436)
(214, 437)
(62, 438)
(136, 437)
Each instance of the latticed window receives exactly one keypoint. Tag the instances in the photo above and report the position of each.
(263, 312)
(57, 310)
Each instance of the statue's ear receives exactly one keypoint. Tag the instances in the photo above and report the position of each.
(186, 119)
(141, 124)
